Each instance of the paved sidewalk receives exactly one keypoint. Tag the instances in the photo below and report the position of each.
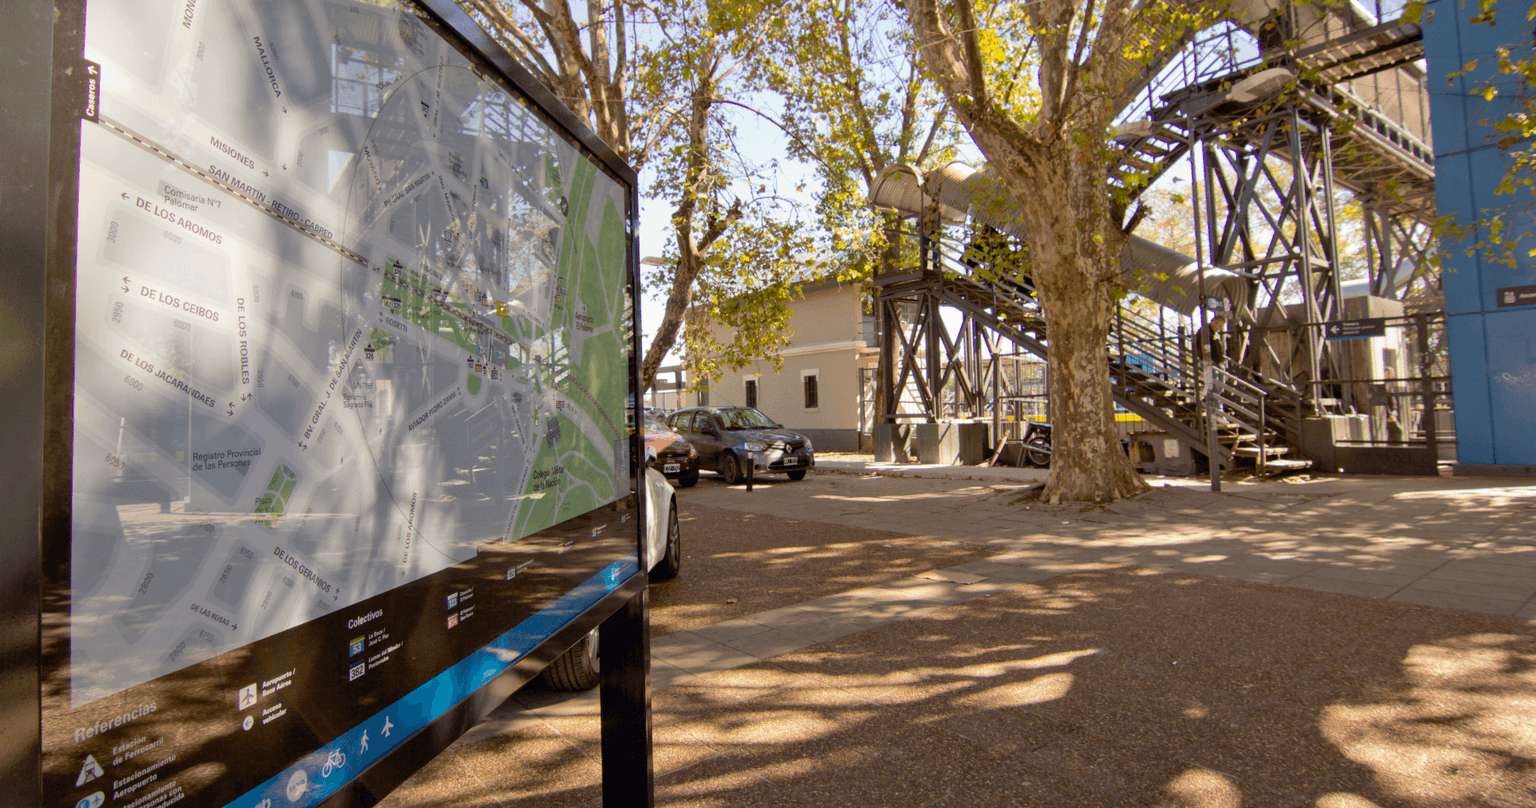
(866, 465)
(1141, 654)
(1452, 542)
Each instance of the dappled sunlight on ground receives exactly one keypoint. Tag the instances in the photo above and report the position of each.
(738, 563)
(1118, 686)
(1157, 670)
(1202, 788)
(958, 491)
(1492, 497)
(1461, 730)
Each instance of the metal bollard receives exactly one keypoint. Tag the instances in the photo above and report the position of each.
(751, 464)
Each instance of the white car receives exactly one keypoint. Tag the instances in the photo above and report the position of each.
(579, 668)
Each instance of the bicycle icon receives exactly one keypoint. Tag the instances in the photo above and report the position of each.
(336, 760)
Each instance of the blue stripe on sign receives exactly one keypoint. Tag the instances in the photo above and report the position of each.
(326, 770)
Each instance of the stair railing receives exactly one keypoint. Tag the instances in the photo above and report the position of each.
(1245, 404)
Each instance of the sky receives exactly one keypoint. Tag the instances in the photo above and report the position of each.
(765, 143)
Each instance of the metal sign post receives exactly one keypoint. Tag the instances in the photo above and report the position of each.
(1212, 414)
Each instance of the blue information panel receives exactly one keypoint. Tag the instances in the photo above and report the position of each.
(352, 361)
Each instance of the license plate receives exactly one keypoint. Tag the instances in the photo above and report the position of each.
(671, 468)
(791, 461)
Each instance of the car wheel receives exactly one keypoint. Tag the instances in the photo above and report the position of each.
(797, 475)
(688, 479)
(1038, 452)
(729, 468)
(672, 555)
(580, 668)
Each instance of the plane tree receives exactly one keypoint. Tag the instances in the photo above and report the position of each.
(1051, 150)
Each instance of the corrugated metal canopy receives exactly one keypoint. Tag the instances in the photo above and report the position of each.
(899, 189)
(1167, 277)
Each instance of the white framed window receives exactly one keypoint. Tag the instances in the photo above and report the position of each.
(810, 386)
(749, 390)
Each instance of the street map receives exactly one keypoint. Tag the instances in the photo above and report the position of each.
(347, 309)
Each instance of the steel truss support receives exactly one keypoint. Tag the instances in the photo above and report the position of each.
(931, 372)
(941, 373)
(1268, 208)
(1398, 244)
(1269, 203)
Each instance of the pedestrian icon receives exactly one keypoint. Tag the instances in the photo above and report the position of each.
(89, 771)
(365, 740)
(387, 727)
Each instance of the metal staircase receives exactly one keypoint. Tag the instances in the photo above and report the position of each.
(1152, 374)
(1301, 107)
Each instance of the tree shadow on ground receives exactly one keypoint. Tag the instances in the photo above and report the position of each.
(737, 563)
(1116, 686)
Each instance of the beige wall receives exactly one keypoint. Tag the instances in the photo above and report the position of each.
(827, 315)
(826, 325)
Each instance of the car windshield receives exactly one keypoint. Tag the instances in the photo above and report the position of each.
(745, 419)
(654, 424)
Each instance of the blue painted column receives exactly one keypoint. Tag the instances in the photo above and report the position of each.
(1492, 343)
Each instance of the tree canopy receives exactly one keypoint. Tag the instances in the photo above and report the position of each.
(655, 82)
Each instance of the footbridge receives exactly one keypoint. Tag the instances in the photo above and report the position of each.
(1274, 121)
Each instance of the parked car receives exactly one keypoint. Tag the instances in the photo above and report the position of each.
(580, 667)
(728, 439)
(671, 454)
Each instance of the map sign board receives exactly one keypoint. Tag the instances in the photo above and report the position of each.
(352, 361)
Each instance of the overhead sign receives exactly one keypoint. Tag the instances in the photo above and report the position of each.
(1516, 296)
(352, 371)
(1356, 329)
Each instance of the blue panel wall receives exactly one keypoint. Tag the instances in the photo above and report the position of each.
(1492, 349)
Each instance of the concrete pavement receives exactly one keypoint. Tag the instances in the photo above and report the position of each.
(1338, 642)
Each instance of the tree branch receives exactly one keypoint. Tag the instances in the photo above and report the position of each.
(500, 20)
(973, 65)
(1075, 64)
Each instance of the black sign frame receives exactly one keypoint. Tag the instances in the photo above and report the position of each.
(1513, 296)
(1362, 328)
(54, 89)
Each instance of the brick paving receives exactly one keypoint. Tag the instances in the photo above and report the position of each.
(932, 641)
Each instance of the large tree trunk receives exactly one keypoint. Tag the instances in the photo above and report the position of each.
(1066, 210)
(1053, 167)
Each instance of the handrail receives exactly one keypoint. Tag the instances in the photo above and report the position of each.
(1211, 56)
(1240, 383)
(1142, 352)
